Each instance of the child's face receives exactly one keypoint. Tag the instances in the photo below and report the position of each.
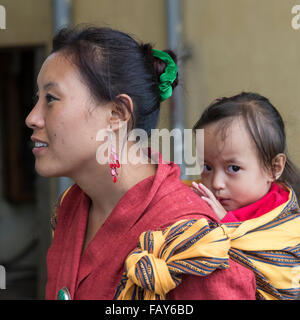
(232, 168)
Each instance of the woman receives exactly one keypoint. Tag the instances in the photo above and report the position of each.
(95, 79)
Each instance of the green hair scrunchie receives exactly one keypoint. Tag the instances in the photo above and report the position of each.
(168, 77)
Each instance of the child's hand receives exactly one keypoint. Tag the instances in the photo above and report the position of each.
(209, 197)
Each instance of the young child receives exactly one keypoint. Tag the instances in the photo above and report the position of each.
(247, 172)
(248, 181)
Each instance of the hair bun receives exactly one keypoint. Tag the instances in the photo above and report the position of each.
(160, 66)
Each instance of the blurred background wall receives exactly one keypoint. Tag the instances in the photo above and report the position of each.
(225, 46)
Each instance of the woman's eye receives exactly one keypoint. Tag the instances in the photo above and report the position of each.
(233, 168)
(50, 98)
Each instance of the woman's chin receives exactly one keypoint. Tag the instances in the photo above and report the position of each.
(47, 171)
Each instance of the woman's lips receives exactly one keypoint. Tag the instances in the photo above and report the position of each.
(38, 150)
(38, 146)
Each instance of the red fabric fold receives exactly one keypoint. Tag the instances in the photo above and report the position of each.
(276, 196)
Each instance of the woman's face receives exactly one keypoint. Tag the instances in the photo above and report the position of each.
(65, 120)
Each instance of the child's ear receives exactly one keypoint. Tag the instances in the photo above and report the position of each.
(278, 164)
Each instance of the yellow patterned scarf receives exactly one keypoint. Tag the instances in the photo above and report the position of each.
(268, 245)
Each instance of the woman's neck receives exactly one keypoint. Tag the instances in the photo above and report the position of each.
(104, 194)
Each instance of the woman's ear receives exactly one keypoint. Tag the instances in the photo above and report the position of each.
(122, 111)
(278, 164)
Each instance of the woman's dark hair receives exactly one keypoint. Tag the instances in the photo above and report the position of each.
(264, 124)
(113, 63)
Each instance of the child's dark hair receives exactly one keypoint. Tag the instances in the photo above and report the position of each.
(264, 124)
(112, 63)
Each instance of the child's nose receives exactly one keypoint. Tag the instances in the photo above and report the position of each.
(35, 119)
(218, 181)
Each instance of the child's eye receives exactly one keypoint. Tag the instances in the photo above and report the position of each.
(50, 98)
(206, 168)
(233, 168)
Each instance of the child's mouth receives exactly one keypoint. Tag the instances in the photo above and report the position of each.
(223, 201)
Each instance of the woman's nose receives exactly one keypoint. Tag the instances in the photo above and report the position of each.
(35, 119)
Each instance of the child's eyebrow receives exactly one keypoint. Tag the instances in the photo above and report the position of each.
(234, 160)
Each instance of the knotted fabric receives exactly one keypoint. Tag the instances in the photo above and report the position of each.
(268, 245)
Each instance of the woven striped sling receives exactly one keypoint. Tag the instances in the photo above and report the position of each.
(268, 245)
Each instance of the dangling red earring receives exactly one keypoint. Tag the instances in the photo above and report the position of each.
(113, 159)
(114, 164)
